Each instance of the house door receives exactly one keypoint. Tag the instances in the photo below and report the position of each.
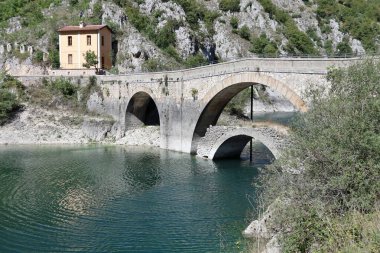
(102, 62)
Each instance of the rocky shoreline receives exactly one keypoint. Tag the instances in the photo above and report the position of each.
(36, 125)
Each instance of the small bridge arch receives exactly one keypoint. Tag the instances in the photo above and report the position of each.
(229, 142)
(142, 110)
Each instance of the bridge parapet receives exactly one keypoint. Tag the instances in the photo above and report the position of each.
(229, 141)
(271, 65)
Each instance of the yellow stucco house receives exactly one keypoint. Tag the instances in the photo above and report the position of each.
(75, 41)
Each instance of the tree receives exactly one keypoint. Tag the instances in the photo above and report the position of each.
(91, 60)
(334, 198)
(54, 58)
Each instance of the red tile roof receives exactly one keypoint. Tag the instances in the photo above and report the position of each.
(84, 28)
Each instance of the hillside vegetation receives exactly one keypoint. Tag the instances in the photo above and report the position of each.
(333, 202)
(11, 92)
(161, 34)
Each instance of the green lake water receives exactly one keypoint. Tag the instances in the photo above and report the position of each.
(121, 199)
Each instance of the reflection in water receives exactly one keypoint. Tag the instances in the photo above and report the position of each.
(284, 118)
(97, 199)
(77, 201)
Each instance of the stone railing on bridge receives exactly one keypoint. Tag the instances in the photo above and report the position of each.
(273, 65)
(318, 66)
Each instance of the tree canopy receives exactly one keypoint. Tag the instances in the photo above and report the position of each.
(334, 200)
(91, 60)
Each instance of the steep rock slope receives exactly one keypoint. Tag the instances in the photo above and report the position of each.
(160, 34)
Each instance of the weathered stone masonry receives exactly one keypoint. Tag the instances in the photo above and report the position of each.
(189, 101)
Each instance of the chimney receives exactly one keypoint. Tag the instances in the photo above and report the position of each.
(82, 24)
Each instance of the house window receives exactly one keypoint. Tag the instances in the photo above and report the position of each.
(70, 40)
(102, 40)
(70, 59)
(88, 40)
(102, 62)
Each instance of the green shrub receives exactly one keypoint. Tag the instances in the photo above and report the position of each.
(328, 46)
(333, 202)
(237, 104)
(97, 13)
(172, 52)
(244, 32)
(209, 18)
(263, 46)
(64, 86)
(8, 105)
(141, 22)
(54, 58)
(30, 11)
(10, 83)
(299, 42)
(195, 61)
(92, 81)
(11, 92)
(114, 27)
(86, 91)
(38, 56)
(152, 65)
(196, 11)
(344, 48)
(163, 38)
(234, 22)
(229, 5)
(73, 2)
(312, 33)
(166, 35)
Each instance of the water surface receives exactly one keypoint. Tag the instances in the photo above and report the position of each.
(116, 199)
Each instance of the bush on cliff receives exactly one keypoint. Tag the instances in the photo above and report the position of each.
(10, 92)
(53, 93)
(8, 105)
(334, 200)
(65, 87)
(229, 5)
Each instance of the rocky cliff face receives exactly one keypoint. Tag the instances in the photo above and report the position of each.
(191, 28)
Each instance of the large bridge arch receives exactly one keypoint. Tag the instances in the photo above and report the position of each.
(142, 110)
(249, 78)
(220, 94)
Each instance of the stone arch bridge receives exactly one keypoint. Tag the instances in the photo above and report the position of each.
(186, 102)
